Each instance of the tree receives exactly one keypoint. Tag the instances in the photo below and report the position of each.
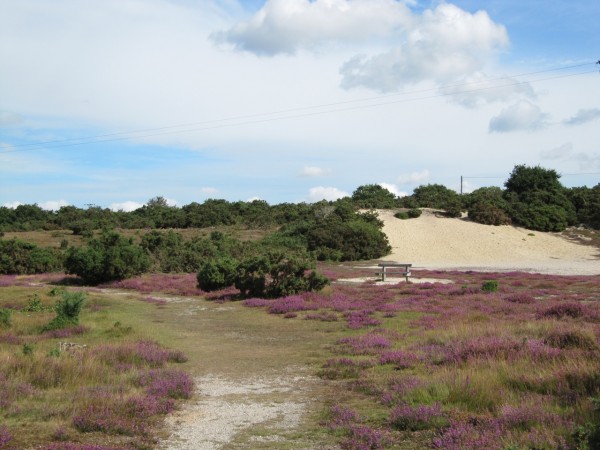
(537, 200)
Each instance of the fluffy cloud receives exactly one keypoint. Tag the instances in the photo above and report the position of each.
(442, 45)
(311, 171)
(521, 116)
(127, 206)
(325, 193)
(12, 205)
(209, 190)
(414, 177)
(284, 26)
(558, 153)
(53, 205)
(583, 116)
(393, 189)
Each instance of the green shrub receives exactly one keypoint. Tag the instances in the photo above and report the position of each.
(490, 286)
(401, 215)
(537, 200)
(217, 274)
(67, 311)
(109, 257)
(19, 257)
(5, 314)
(275, 275)
(374, 196)
(34, 304)
(488, 214)
(347, 236)
(413, 213)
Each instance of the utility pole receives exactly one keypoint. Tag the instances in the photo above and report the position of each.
(461, 184)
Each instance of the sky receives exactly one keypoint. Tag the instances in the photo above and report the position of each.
(115, 102)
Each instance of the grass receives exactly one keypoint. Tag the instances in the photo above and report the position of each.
(405, 366)
(107, 389)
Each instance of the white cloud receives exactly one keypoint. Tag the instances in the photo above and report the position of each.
(12, 205)
(53, 205)
(311, 171)
(393, 189)
(414, 177)
(521, 116)
(127, 206)
(325, 193)
(583, 116)
(285, 26)
(442, 45)
(558, 152)
(478, 89)
(209, 190)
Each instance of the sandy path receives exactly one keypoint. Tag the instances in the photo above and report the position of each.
(433, 242)
(272, 405)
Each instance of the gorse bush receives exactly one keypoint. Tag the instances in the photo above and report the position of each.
(5, 314)
(488, 214)
(67, 311)
(18, 257)
(109, 257)
(276, 274)
(489, 286)
(413, 213)
(217, 274)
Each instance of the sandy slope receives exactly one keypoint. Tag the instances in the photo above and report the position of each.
(435, 242)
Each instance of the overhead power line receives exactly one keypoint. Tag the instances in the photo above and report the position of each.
(299, 112)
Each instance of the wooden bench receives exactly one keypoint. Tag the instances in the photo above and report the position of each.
(388, 269)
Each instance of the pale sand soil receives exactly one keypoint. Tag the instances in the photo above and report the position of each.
(271, 403)
(432, 242)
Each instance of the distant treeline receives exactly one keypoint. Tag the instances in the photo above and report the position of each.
(533, 198)
(325, 231)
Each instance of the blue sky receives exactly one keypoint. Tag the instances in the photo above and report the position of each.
(115, 102)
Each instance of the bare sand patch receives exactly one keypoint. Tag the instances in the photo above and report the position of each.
(226, 407)
(433, 242)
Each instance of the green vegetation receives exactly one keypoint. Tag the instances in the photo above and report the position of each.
(85, 385)
(67, 311)
(109, 257)
(21, 257)
(328, 231)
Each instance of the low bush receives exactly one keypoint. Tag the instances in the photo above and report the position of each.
(488, 214)
(18, 257)
(67, 311)
(571, 339)
(276, 275)
(217, 274)
(413, 213)
(401, 215)
(490, 286)
(569, 309)
(107, 258)
(5, 314)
